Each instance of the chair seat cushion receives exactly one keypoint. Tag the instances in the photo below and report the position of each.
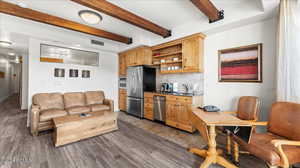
(99, 107)
(48, 115)
(78, 110)
(260, 145)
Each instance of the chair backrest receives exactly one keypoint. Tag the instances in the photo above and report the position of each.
(284, 120)
(248, 108)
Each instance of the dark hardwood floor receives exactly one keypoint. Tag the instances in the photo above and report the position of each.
(129, 147)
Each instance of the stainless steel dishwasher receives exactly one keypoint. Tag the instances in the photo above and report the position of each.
(159, 108)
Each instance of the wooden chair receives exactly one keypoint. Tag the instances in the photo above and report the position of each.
(248, 109)
(280, 146)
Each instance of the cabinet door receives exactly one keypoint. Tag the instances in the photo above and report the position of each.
(171, 114)
(131, 58)
(183, 114)
(135, 58)
(183, 117)
(144, 56)
(122, 65)
(148, 107)
(192, 54)
(122, 99)
(139, 59)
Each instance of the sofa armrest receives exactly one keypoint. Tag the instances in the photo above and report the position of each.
(110, 103)
(35, 118)
(278, 144)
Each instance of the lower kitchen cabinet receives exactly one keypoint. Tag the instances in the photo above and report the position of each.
(122, 99)
(148, 106)
(178, 111)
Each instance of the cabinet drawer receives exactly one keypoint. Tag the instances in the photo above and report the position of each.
(148, 105)
(148, 100)
(181, 99)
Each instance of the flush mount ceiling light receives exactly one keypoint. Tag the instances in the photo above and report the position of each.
(5, 43)
(90, 17)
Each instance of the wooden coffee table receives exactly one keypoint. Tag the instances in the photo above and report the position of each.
(74, 128)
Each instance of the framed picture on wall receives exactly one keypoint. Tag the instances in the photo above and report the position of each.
(73, 73)
(85, 74)
(241, 64)
(59, 72)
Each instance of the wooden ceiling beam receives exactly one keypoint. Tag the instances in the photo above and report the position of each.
(209, 9)
(122, 14)
(30, 14)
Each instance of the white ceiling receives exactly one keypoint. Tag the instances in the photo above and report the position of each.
(171, 14)
(19, 44)
(166, 13)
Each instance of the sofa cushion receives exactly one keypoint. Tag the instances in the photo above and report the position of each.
(99, 107)
(48, 115)
(74, 99)
(261, 146)
(48, 101)
(78, 110)
(94, 97)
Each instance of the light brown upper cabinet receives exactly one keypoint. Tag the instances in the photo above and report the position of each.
(122, 64)
(181, 55)
(192, 55)
(138, 56)
(132, 58)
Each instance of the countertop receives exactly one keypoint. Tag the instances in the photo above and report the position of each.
(176, 94)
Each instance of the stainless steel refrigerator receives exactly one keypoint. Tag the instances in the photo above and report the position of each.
(140, 79)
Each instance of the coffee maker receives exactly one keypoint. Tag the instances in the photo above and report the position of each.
(166, 87)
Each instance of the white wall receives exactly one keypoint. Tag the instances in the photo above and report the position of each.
(24, 94)
(16, 77)
(42, 80)
(225, 95)
(5, 89)
(196, 79)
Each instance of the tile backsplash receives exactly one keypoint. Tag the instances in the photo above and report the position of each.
(196, 79)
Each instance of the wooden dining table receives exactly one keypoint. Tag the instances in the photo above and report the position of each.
(206, 123)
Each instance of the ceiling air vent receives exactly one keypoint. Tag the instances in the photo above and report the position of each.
(100, 43)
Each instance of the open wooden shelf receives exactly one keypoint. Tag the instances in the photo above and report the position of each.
(167, 54)
(171, 71)
(166, 63)
(173, 62)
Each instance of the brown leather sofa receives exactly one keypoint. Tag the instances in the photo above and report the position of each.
(280, 146)
(46, 106)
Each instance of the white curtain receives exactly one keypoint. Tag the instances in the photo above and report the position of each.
(288, 54)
